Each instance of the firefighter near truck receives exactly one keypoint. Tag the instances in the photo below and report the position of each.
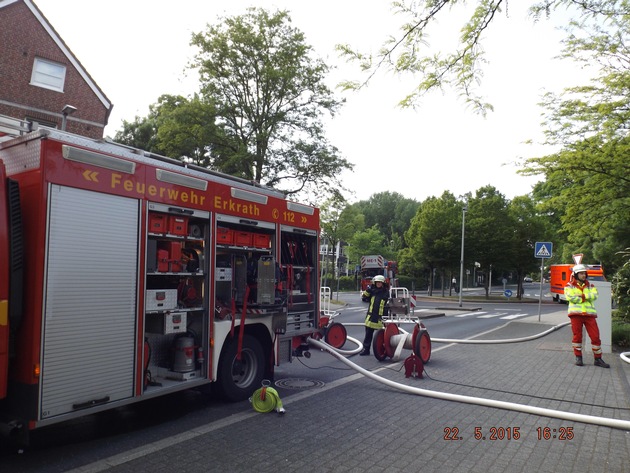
(126, 276)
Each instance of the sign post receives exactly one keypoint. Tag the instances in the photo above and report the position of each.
(542, 250)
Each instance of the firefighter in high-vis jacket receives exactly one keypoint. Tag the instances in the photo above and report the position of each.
(581, 294)
(378, 296)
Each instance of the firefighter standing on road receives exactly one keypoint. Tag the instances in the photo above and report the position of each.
(580, 295)
(378, 295)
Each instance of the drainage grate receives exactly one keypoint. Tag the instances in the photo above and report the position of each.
(299, 383)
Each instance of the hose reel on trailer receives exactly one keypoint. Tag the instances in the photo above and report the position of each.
(390, 341)
(334, 333)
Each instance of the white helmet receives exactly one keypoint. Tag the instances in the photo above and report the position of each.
(379, 278)
(580, 268)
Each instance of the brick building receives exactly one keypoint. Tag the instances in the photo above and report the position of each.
(41, 80)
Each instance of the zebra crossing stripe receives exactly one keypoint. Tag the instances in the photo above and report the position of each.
(515, 316)
(486, 315)
(490, 316)
(470, 313)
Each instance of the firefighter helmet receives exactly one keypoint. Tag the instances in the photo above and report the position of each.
(579, 268)
(379, 278)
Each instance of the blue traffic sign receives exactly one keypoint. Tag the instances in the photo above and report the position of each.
(508, 293)
(543, 249)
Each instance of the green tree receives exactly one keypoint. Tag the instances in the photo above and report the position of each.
(434, 238)
(591, 182)
(527, 226)
(332, 227)
(489, 233)
(179, 128)
(621, 286)
(351, 221)
(461, 68)
(369, 242)
(141, 133)
(187, 130)
(271, 97)
(601, 107)
(391, 212)
(587, 182)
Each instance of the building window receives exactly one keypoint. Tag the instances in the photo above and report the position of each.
(35, 122)
(48, 74)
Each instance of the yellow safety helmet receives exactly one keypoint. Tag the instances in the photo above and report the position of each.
(378, 278)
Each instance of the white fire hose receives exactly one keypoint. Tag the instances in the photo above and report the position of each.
(541, 411)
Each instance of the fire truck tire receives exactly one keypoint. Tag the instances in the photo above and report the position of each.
(238, 379)
(378, 345)
(336, 335)
(422, 347)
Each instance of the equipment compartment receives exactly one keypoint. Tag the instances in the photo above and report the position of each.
(176, 322)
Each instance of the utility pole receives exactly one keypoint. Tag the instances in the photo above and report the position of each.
(461, 260)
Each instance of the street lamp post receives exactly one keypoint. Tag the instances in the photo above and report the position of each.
(67, 110)
(461, 260)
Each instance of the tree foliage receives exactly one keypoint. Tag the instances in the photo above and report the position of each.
(410, 52)
(489, 232)
(391, 213)
(369, 242)
(621, 286)
(603, 106)
(270, 97)
(587, 183)
(527, 227)
(499, 235)
(180, 128)
(434, 235)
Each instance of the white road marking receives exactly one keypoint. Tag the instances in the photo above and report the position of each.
(490, 316)
(470, 313)
(515, 316)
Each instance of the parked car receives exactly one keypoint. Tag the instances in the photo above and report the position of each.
(527, 279)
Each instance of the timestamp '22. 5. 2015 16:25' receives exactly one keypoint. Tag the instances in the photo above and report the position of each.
(509, 433)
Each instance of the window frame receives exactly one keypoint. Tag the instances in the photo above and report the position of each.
(38, 76)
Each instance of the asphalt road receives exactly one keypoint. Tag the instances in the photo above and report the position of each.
(85, 440)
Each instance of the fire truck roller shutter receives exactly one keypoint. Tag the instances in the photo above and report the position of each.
(90, 301)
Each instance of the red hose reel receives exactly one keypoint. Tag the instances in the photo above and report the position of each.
(389, 343)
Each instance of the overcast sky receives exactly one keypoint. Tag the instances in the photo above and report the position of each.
(137, 50)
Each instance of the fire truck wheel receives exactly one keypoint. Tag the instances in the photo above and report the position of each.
(422, 346)
(237, 379)
(378, 345)
(336, 335)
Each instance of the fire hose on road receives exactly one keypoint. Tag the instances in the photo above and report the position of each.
(588, 419)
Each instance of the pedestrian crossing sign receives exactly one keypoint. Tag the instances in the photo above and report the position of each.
(543, 249)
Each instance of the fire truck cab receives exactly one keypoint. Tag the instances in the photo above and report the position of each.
(373, 265)
(125, 275)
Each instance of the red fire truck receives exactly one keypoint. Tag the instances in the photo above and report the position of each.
(372, 265)
(126, 276)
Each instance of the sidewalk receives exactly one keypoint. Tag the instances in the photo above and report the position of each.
(357, 424)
